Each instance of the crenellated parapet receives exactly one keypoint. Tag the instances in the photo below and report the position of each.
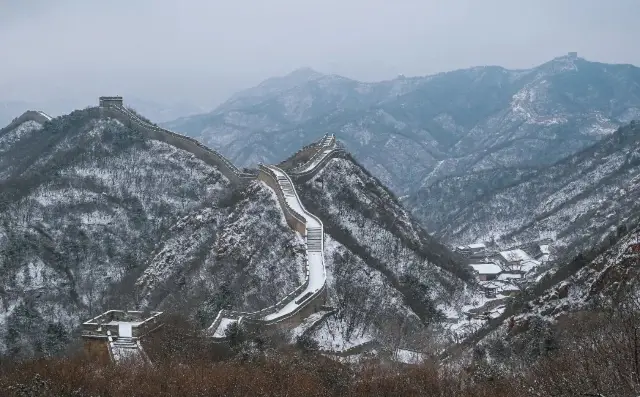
(37, 116)
(310, 296)
(113, 107)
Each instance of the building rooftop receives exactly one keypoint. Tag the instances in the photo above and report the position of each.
(516, 255)
(477, 246)
(507, 276)
(486, 268)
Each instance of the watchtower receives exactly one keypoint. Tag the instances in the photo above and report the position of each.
(116, 333)
(573, 55)
(106, 101)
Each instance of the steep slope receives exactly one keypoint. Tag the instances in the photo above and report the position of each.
(413, 132)
(390, 281)
(93, 215)
(16, 133)
(578, 201)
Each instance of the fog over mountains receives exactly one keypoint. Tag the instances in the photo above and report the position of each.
(411, 132)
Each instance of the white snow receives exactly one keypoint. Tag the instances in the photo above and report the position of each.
(508, 276)
(545, 249)
(222, 327)
(335, 335)
(315, 259)
(307, 323)
(328, 145)
(477, 246)
(45, 115)
(409, 356)
(486, 268)
(516, 255)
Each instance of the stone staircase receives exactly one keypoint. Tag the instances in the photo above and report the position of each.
(286, 186)
(327, 140)
(125, 343)
(314, 239)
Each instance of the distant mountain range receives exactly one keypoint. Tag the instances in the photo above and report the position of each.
(578, 202)
(412, 132)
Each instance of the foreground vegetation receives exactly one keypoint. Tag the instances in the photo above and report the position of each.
(595, 354)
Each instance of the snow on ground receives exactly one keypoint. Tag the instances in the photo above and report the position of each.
(224, 323)
(408, 356)
(307, 323)
(315, 259)
(335, 335)
(17, 133)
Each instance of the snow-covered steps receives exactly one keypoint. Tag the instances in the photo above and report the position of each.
(328, 140)
(125, 343)
(286, 186)
(127, 350)
(314, 239)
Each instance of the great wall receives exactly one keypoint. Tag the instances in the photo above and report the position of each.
(111, 329)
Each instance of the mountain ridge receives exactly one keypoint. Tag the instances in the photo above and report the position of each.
(118, 200)
(453, 122)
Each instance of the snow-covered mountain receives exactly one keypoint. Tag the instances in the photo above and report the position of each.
(578, 201)
(95, 215)
(411, 132)
(388, 278)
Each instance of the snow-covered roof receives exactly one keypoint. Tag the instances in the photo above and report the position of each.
(516, 255)
(544, 248)
(508, 276)
(486, 268)
(525, 266)
(477, 246)
(529, 264)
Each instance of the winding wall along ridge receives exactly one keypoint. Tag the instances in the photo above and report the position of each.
(30, 115)
(325, 143)
(191, 145)
(310, 295)
(289, 306)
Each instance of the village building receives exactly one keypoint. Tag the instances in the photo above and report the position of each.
(542, 252)
(490, 288)
(472, 249)
(486, 271)
(509, 289)
(508, 275)
(513, 257)
(517, 261)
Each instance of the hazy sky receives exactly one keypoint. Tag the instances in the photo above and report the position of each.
(204, 50)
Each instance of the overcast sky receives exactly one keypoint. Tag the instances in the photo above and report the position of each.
(204, 50)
